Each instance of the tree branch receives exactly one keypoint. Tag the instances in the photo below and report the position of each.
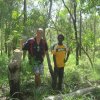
(73, 94)
(68, 10)
(87, 56)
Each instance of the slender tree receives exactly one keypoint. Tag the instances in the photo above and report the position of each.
(47, 54)
(80, 35)
(25, 16)
(73, 17)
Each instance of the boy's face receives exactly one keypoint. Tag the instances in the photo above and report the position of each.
(60, 39)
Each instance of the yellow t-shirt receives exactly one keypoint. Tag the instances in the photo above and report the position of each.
(60, 52)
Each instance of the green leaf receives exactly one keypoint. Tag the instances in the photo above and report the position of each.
(14, 14)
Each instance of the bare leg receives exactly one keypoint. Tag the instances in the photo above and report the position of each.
(37, 80)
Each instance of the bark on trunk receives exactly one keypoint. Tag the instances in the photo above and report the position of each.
(14, 74)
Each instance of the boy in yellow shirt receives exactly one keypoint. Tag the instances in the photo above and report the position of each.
(60, 56)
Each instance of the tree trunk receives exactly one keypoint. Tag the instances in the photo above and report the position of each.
(73, 94)
(14, 74)
(1, 42)
(80, 33)
(47, 54)
(94, 38)
(25, 12)
(48, 59)
(75, 28)
(49, 65)
(25, 17)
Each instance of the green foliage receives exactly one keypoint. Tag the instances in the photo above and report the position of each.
(13, 39)
(72, 79)
(96, 94)
(14, 15)
(12, 29)
(3, 61)
(88, 38)
(3, 68)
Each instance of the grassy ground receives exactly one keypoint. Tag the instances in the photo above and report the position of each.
(74, 78)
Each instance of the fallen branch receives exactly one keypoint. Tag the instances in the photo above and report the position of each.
(73, 94)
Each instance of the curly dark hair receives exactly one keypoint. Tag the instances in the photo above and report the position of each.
(61, 35)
